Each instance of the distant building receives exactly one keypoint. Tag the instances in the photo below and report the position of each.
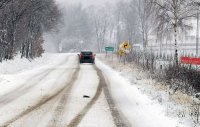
(186, 42)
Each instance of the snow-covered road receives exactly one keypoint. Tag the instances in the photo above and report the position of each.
(66, 94)
(53, 96)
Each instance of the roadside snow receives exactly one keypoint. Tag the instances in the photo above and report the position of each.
(176, 104)
(15, 73)
(137, 107)
(19, 65)
(35, 90)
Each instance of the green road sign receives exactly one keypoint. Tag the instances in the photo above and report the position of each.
(109, 49)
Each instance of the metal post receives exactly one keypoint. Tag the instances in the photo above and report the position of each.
(112, 55)
(197, 36)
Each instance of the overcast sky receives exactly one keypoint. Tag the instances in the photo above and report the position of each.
(86, 2)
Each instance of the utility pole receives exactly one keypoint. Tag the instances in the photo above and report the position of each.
(197, 36)
(197, 33)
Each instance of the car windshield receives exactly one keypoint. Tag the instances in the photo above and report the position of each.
(86, 53)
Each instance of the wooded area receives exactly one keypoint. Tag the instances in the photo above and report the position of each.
(22, 24)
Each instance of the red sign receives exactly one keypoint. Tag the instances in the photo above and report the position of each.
(190, 60)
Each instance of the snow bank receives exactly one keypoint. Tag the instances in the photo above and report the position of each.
(138, 108)
(20, 65)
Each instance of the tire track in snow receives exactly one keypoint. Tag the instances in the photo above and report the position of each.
(22, 90)
(43, 101)
(119, 119)
(11, 96)
(77, 119)
(58, 113)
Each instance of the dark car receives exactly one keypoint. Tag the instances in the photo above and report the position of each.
(87, 57)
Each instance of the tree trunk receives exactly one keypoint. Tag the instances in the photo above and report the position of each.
(175, 44)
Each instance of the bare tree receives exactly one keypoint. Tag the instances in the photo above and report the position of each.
(101, 22)
(22, 24)
(146, 15)
(76, 31)
(171, 15)
(127, 25)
